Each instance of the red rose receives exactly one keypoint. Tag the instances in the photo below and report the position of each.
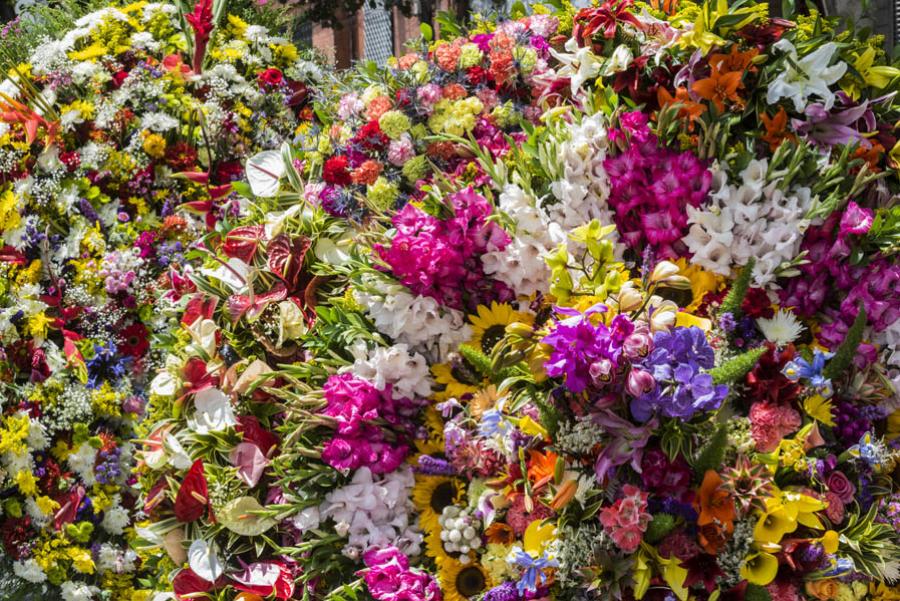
(335, 171)
(271, 77)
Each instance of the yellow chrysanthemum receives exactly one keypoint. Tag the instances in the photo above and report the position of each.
(460, 582)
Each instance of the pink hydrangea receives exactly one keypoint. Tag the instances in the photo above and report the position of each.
(770, 423)
(627, 519)
(440, 257)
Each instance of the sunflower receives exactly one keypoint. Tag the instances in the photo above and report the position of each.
(702, 283)
(456, 380)
(460, 581)
(489, 325)
(431, 494)
(434, 427)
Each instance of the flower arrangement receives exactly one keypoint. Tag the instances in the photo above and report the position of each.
(582, 304)
(120, 141)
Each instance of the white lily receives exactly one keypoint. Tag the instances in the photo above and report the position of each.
(806, 76)
(580, 64)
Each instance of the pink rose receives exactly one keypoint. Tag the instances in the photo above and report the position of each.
(838, 484)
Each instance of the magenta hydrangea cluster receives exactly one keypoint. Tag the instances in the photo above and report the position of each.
(389, 577)
(440, 257)
(357, 406)
(651, 186)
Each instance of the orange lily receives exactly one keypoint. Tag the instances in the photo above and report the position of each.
(719, 87)
(716, 508)
(689, 109)
(776, 129)
(541, 467)
(734, 60)
(13, 111)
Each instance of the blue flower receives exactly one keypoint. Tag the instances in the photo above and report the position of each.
(106, 365)
(801, 368)
(533, 570)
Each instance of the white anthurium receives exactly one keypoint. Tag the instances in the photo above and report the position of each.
(203, 333)
(333, 253)
(204, 562)
(291, 323)
(807, 76)
(264, 173)
(213, 412)
(580, 64)
(178, 457)
(275, 221)
(164, 384)
(235, 274)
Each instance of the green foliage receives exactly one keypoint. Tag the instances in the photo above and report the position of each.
(661, 525)
(737, 292)
(755, 592)
(871, 546)
(478, 360)
(712, 454)
(736, 368)
(846, 352)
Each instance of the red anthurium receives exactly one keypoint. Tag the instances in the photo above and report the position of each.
(200, 306)
(196, 377)
(74, 358)
(69, 503)
(285, 257)
(265, 578)
(239, 304)
(187, 585)
(8, 254)
(193, 497)
(253, 432)
(243, 242)
(156, 494)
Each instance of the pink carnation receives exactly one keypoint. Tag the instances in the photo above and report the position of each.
(770, 423)
(627, 519)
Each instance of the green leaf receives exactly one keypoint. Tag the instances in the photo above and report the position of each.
(427, 31)
(735, 296)
(846, 352)
(712, 454)
(736, 368)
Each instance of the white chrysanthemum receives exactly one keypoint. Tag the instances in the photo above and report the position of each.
(82, 463)
(783, 328)
(375, 512)
(115, 519)
(29, 570)
(77, 591)
(38, 517)
(407, 373)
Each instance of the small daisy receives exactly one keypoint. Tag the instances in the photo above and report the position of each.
(781, 329)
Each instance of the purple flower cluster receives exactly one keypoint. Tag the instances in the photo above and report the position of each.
(584, 353)
(389, 577)
(681, 389)
(356, 405)
(875, 285)
(651, 186)
(440, 258)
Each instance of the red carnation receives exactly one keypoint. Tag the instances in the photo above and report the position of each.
(269, 78)
(335, 171)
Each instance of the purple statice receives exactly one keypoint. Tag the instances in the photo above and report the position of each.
(87, 209)
(682, 388)
(108, 467)
(440, 257)
(584, 352)
(503, 592)
(434, 466)
(651, 186)
(107, 365)
(889, 511)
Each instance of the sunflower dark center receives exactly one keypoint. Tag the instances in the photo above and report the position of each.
(491, 337)
(470, 581)
(442, 496)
